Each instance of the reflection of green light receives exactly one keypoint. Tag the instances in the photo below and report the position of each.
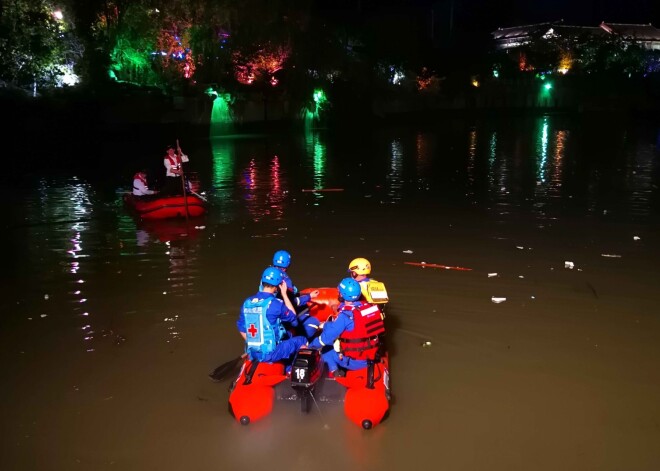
(543, 150)
(317, 150)
(547, 86)
(496, 73)
(223, 174)
(223, 163)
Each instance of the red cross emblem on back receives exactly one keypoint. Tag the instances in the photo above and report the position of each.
(252, 330)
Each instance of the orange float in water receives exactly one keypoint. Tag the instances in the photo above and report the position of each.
(252, 394)
(435, 265)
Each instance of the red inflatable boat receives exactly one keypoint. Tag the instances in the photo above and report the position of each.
(165, 207)
(365, 393)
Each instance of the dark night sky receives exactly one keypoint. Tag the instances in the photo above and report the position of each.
(588, 12)
(472, 15)
(466, 24)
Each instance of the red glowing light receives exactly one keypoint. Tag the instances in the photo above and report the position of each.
(261, 65)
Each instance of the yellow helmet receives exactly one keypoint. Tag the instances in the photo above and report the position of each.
(360, 266)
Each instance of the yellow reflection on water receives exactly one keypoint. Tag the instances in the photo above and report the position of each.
(472, 157)
(560, 149)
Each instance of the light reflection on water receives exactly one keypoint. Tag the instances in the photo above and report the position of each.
(85, 250)
(471, 164)
(315, 150)
(641, 161)
(395, 182)
(223, 177)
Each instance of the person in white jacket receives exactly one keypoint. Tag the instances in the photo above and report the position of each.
(140, 186)
(173, 162)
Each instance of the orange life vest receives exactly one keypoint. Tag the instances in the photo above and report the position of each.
(363, 341)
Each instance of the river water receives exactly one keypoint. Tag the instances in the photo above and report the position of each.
(109, 326)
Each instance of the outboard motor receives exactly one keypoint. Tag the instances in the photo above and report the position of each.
(305, 372)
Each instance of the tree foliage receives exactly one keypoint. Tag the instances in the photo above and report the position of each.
(36, 47)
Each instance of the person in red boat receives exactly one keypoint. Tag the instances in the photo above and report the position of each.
(261, 320)
(173, 161)
(354, 336)
(140, 185)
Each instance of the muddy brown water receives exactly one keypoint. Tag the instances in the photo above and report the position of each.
(109, 327)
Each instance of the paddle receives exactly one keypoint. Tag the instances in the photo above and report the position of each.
(227, 370)
(199, 196)
(183, 179)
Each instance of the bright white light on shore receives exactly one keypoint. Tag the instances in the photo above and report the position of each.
(57, 14)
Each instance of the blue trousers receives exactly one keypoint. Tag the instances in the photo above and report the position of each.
(283, 351)
(331, 358)
(310, 324)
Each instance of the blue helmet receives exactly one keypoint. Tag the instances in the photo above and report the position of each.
(272, 276)
(349, 289)
(282, 259)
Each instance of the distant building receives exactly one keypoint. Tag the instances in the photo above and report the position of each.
(646, 35)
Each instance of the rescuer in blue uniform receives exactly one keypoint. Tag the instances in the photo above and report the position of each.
(281, 261)
(260, 322)
(354, 336)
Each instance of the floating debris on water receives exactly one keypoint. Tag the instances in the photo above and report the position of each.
(407, 251)
(610, 255)
(636, 238)
(497, 300)
(568, 264)
(426, 344)
(490, 275)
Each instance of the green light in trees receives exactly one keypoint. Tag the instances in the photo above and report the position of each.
(319, 97)
(312, 116)
(221, 113)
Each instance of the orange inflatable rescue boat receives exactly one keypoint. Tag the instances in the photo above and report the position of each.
(365, 393)
(165, 207)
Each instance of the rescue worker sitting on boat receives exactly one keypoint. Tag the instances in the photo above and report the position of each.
(173, 162)
(372, 290)
(353, 337)
(140, 186)
(260, 322)
(360, 269)
(281, 261)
